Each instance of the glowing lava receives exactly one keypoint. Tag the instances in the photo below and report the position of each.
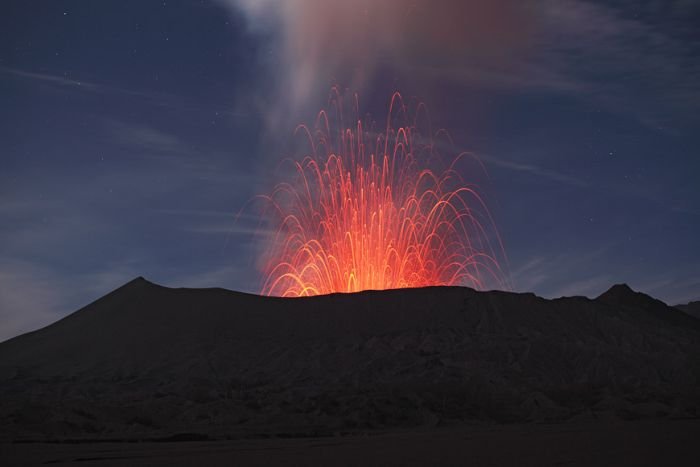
(367, 212)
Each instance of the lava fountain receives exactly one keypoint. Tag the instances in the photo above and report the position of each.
(365, 210)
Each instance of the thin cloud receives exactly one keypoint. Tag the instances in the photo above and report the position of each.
(53, 79)
(196, 213)
(29, 298)
(534, 170)
(62, 80)
(551, 276)
(145, 138)
(652, 51)
(157, 98)
(34, 295)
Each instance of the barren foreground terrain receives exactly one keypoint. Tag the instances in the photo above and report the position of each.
(602, 443)
(442, 375)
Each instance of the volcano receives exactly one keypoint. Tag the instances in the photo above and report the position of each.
(149, 362)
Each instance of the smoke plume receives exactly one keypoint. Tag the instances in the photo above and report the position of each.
(321, 42)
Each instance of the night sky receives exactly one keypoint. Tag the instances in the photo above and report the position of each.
(132, 132)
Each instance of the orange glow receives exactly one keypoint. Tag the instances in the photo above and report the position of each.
(359, 216)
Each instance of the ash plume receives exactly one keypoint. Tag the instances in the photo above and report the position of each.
(324, 42)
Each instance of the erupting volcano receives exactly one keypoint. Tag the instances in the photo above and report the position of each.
(375, 210)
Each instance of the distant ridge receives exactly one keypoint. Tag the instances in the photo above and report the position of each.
(623, 294)
(147, 361)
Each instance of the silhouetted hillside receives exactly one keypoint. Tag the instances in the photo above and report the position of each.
(692, 308)
(148, 361)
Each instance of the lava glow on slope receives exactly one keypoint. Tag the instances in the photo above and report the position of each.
(364, 210)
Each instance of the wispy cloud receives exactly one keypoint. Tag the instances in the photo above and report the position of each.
(52, 79)
(590, 287)
(579, 273)
(160, 99)
(29, 298)
(640, 192)
(145, 138)
(227, 277)
(34, 295)
(636, 60)
(562, 274)
(533, 170)
(642, 65)
(167, 152)
(78, 84)
(197, 213)
(674, 288)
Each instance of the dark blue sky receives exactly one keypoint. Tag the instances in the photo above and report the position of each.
(131, 132)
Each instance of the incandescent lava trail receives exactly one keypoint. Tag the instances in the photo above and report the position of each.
(367, 211)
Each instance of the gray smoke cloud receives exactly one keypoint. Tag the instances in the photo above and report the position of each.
(321, 42)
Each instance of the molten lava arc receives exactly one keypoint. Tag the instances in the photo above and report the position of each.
(365, 211)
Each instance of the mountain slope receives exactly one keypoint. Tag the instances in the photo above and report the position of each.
(149, 361)
(692, 308)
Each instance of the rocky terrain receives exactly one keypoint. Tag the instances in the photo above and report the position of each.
(150, 362)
